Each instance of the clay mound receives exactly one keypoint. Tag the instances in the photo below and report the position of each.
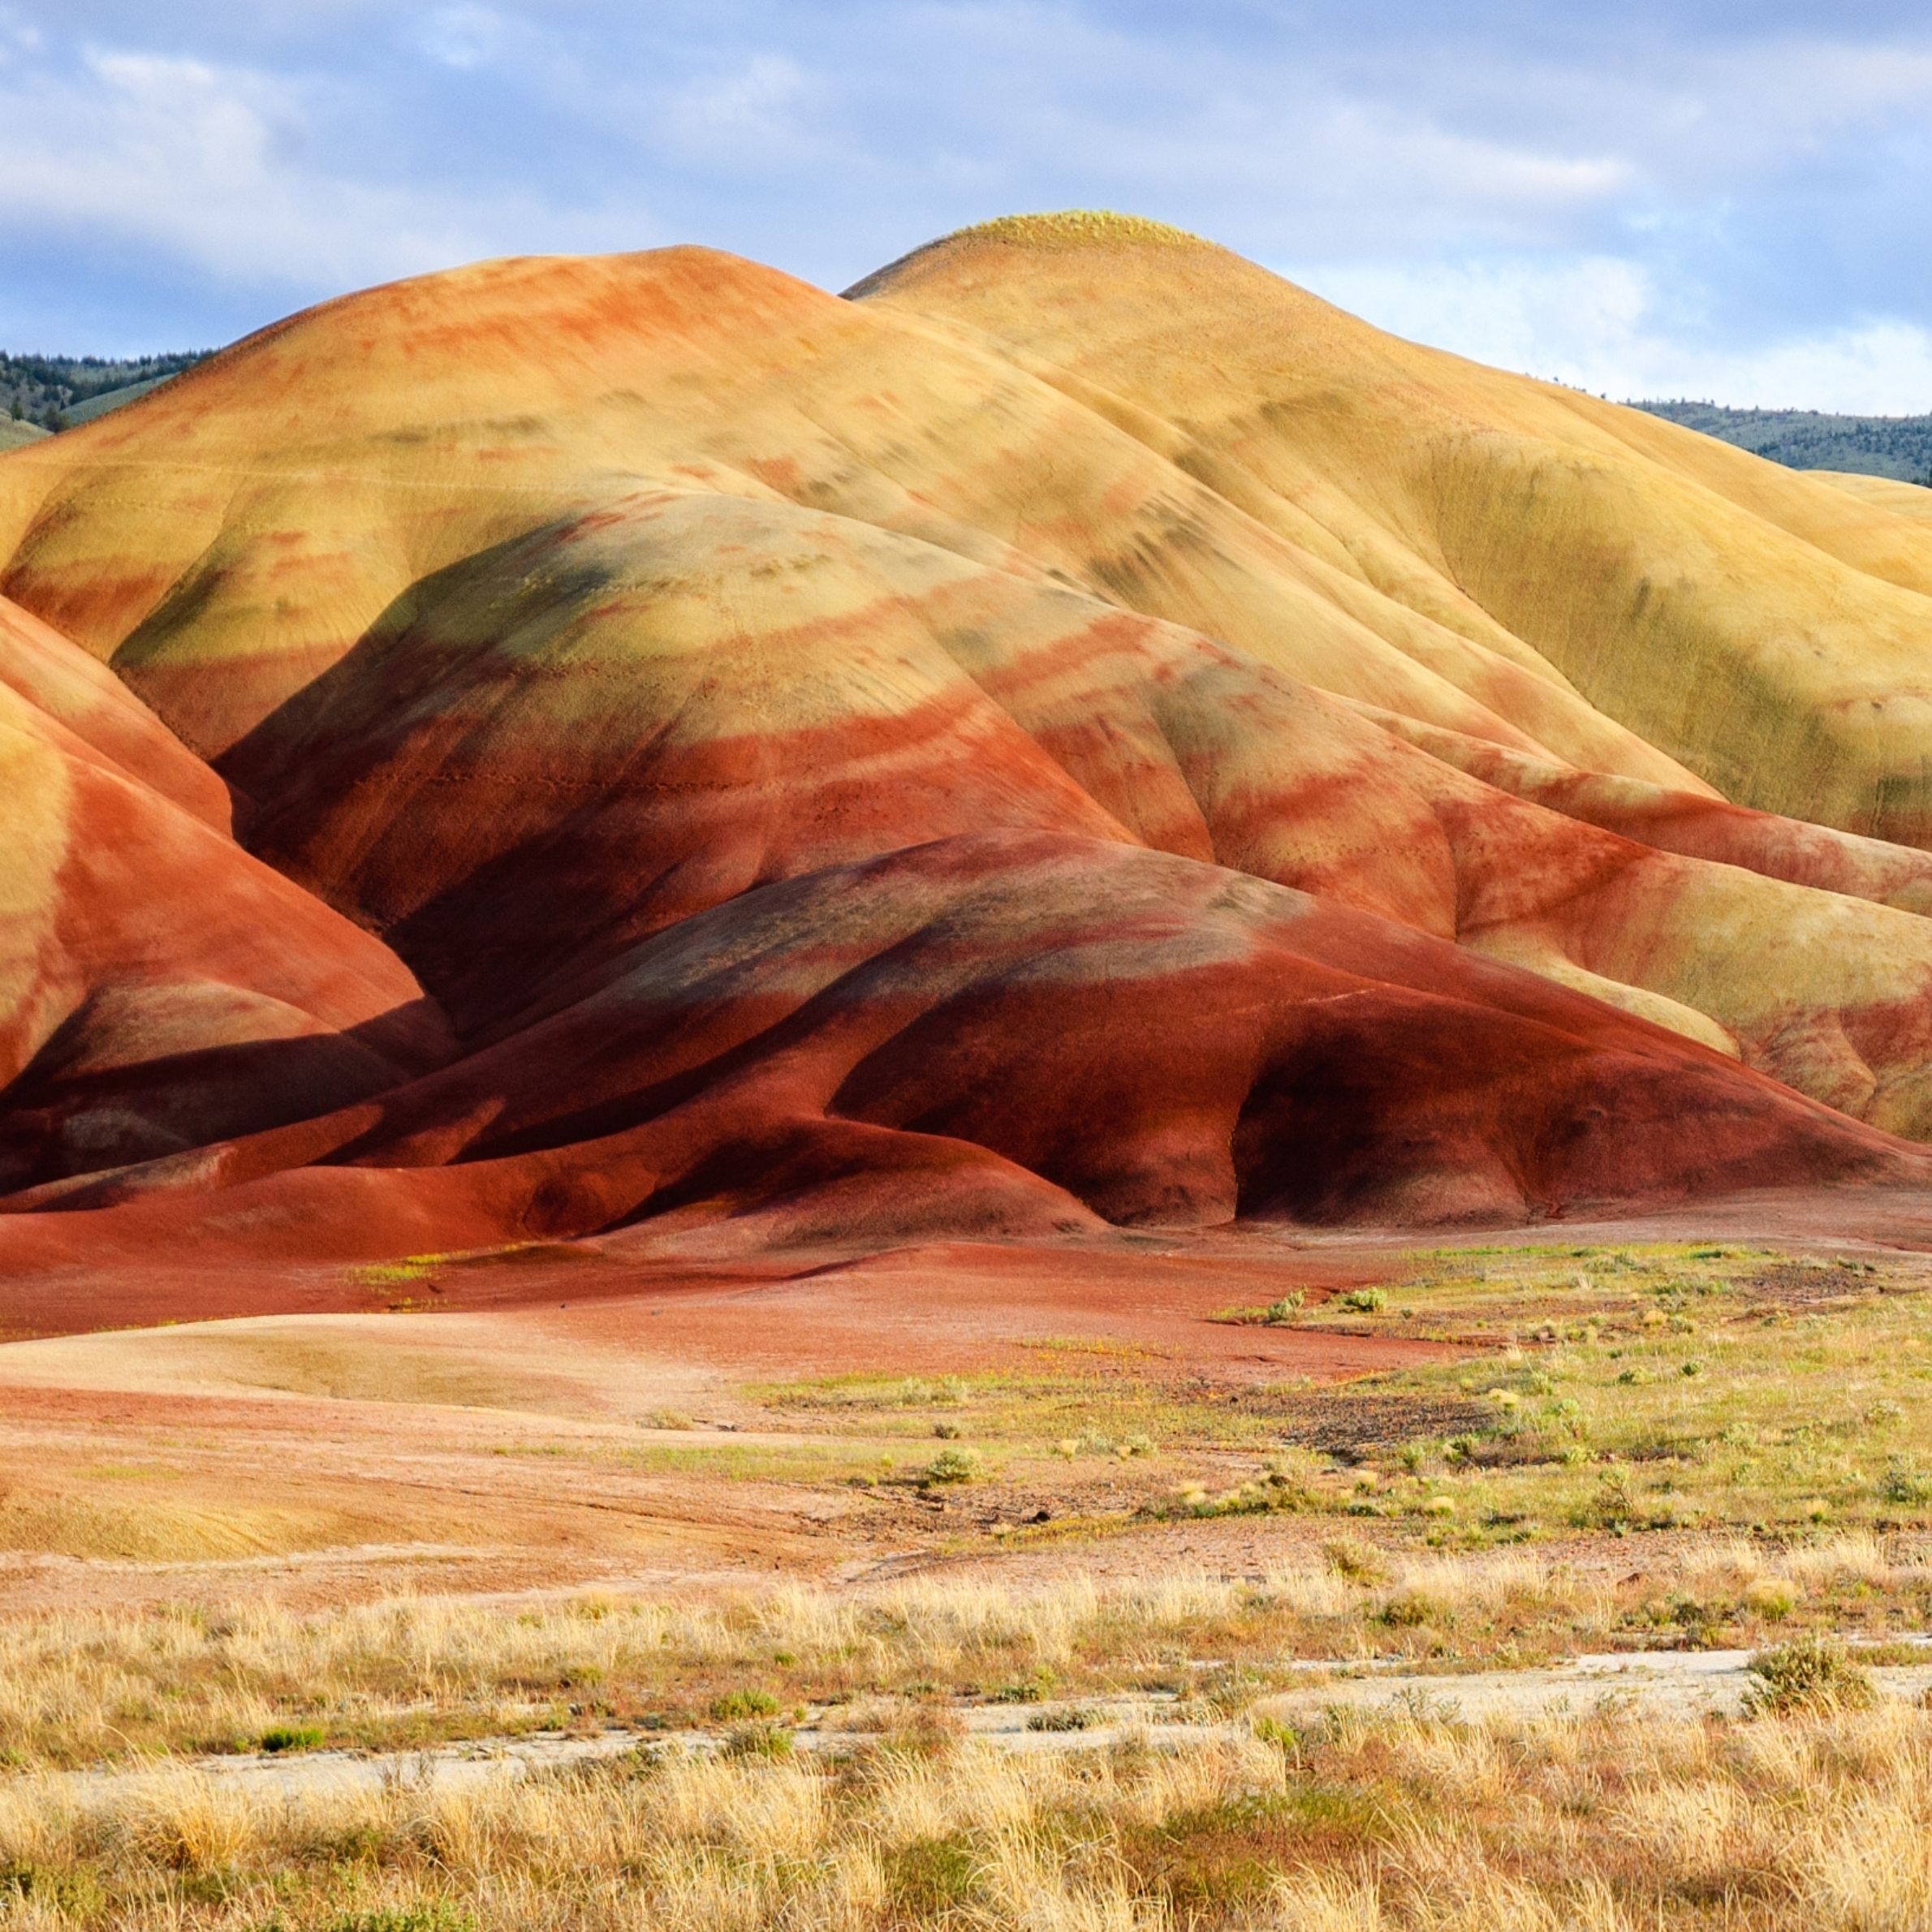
(477, 780)
(161, 989)
(1084, 734)
(1759, 625)
(103, 720)
(1910, 500)
(380, 438)
(1018, 1035)
(590, 733)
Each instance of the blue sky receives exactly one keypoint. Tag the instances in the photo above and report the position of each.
(1709, 197)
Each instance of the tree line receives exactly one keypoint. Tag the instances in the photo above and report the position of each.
(48, 389)
(1899, 446)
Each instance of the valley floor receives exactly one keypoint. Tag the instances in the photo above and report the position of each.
(1192, 1582)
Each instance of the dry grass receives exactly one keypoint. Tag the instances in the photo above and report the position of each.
(79, 1689)
(1823, 1820)
(1765, 1502)
(76, 1689)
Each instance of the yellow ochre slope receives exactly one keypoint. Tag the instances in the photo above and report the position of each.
(1768, 629)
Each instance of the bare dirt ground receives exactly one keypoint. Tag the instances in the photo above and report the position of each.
(472, 1433)
(550, 1417)
(968, 1292)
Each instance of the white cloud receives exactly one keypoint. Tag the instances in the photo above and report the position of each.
(1877, 369)
(212, 166)
(1600, 323)
(462, 37)
(1769, 101)
(753, 115)
(1255, 143)
(1629, 195)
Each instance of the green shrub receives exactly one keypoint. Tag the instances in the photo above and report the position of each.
(72, 1894)
(1364, 1302)
(1228, 1690)
(1028, 1689)
(1281, 1488)
(1359, 1562)
(383, 1274)
(1771, 1598)
(1411, 1610)
(430, 1915)
(759, 1740)
(1611, 1506)
(749, 1703)
(1281, 1733)
(952, 1466)
(1810, 1673)
(292, 1737)
(931, 1878)
(1071, 1717)
(1905, 1484)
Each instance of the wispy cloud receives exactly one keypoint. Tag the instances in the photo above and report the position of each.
(1602, 324)
(220, 167)
(207, 163)
(463, 37)
(1701, 193)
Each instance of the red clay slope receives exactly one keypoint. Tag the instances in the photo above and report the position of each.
(588, 734)
(160, 988)
(722, 703)
(1009, 1034)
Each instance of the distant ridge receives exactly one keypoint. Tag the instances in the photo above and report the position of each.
(1898, 446)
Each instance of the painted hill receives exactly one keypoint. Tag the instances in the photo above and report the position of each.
(162, 989)
(1080, 732)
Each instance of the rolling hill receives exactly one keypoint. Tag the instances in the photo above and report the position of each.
(1077, 734)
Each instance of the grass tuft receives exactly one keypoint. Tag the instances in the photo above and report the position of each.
(292, 1737)
(953, 1465)
(1813, 1672)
